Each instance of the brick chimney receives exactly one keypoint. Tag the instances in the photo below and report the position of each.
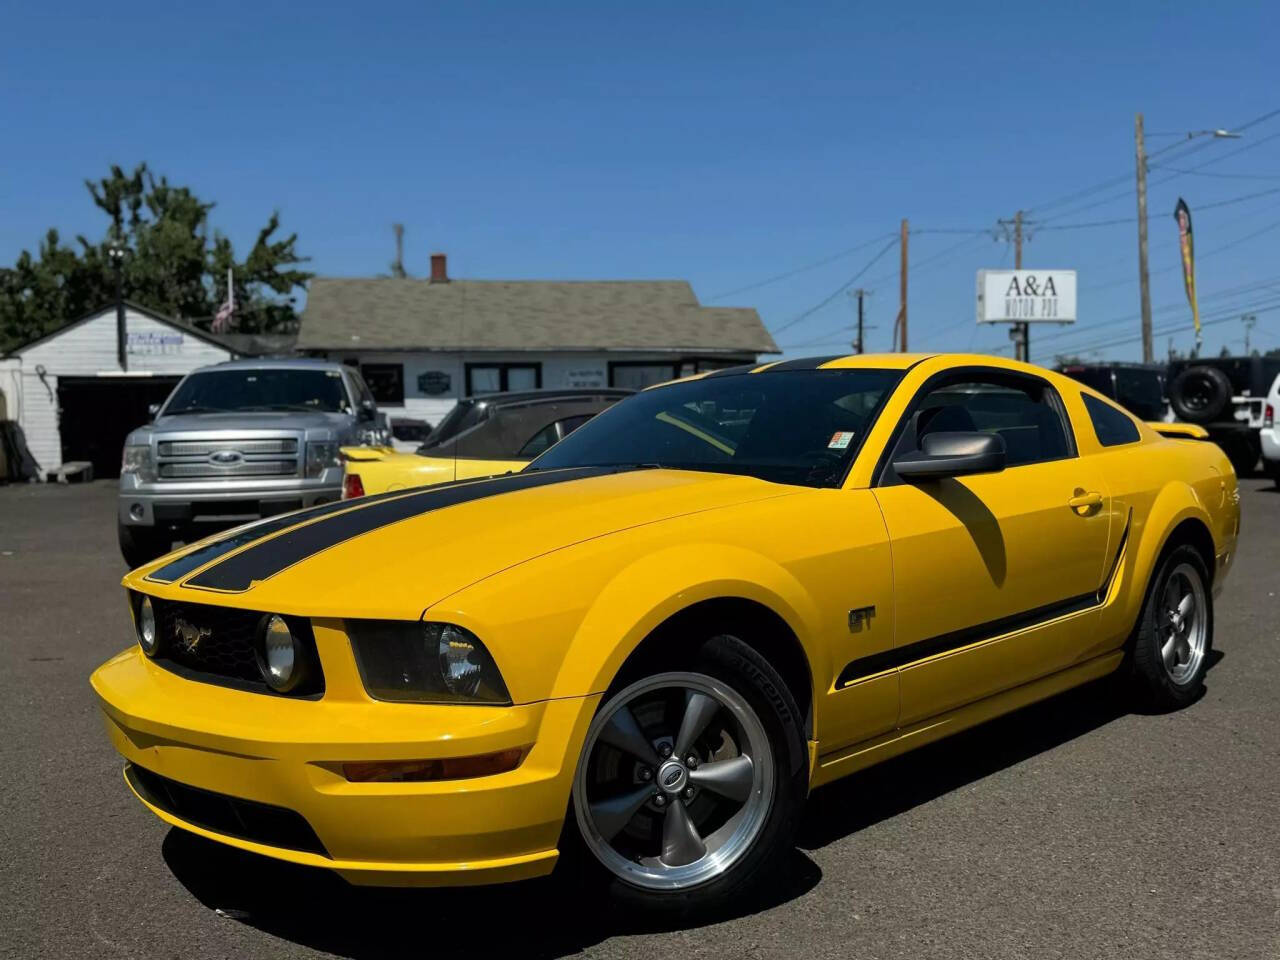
(439, 272)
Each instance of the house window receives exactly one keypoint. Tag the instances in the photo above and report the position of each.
(386, 381)
(502, 377)
(638, 375)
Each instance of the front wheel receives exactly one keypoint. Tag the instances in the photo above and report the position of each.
(1175, 632)
(687, 790)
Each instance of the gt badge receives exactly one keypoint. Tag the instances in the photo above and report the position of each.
(861, 617)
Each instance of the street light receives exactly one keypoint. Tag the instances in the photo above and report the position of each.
(116, 253)
(1144, 279)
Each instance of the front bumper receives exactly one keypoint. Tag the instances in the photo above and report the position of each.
(284, 753)
(177, 503)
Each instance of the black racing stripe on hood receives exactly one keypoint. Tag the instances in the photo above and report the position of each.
(179, 568)
(264, 560)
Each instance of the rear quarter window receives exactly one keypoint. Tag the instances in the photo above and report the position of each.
(1110, 426)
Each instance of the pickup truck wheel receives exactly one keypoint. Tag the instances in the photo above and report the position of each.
(687, 791)
(1175, 632)
(139, 545)
(1200, 394)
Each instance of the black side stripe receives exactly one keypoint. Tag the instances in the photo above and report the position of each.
(264, 560)
(898, 657)
(179, 568)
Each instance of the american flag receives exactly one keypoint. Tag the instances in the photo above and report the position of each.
(222, 319)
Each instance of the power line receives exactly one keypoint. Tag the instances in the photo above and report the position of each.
(839, 290)
(801, 269)
(1218, 174)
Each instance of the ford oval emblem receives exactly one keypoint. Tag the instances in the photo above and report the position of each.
(226, 458)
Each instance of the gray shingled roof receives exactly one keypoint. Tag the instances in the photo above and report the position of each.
(388, 313)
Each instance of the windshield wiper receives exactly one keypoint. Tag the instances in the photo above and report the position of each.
(282, 406)
(196, 408)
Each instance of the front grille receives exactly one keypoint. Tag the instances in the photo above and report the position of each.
(246, 468)
(232, 458)
(202, 448)
(244, 819)
(217, 645)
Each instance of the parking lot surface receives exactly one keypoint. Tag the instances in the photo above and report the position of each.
(1074, 828)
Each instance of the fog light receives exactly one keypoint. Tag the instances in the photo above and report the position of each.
(148, 636)
(448, 768)
(136, 511)
(280, 657)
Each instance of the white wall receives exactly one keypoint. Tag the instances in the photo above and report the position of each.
(89, 349)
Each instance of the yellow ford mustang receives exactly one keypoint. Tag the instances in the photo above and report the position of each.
(653, 642)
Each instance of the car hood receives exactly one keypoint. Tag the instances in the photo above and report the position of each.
(394, 555)
(248, 420)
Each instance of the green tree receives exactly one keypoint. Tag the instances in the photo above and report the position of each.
(174, 264)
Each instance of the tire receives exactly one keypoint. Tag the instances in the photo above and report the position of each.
(1171, 654)
(139, 545)
(1273, 471)
(724, 821)
(1200, 394)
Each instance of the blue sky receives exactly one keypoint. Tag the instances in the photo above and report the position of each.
(724, 143)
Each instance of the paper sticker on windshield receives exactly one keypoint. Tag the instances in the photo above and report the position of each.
(840, 440)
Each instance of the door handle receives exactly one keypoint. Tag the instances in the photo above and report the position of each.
(1085, 501)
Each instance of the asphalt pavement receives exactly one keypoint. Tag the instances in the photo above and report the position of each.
(1073, 828)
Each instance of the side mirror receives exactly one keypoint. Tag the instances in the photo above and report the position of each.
(952, 455)
(368, 410)
(153, 409)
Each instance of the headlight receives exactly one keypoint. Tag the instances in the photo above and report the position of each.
(282, 656)
(138, 460)
(145, 624)
(425, 663)
(320, 456)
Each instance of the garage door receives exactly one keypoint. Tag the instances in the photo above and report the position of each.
(95, 414)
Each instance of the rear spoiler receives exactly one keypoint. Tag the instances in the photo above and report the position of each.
(1184, 431)
(365, 453)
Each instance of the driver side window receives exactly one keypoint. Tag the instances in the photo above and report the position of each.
(1026, 413)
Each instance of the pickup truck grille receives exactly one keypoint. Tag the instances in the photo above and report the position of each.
(231, 459)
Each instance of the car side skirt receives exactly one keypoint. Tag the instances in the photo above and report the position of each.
(849, 760)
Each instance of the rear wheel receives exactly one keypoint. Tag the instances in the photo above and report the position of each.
(139, 545)
(687, 790)
(1175, 632)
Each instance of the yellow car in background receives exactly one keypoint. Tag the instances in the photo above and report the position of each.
(654, 641)
(480, 437)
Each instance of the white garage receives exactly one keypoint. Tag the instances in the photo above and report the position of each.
(73, 398)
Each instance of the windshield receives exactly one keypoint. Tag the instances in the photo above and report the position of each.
(464, 415)
(216, 391)
(793, 426)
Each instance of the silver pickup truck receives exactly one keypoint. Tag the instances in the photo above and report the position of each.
(238, 441)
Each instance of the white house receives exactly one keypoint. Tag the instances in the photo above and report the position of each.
(74, 400)
(422, 344)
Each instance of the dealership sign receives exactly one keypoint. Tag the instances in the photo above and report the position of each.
(1026, 296)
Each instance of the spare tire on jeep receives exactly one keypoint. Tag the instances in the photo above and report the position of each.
(1200, 394)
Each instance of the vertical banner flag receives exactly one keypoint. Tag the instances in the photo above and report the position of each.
(1182, 213)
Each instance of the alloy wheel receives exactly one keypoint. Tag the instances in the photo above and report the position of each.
(675, 781)
(1182, 625)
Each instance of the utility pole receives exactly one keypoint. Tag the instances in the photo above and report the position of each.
(397, 265)
(1249, 321)
(860, 342)
(1144, 280)
(1020, 332)
(116, 254)
(901, 324)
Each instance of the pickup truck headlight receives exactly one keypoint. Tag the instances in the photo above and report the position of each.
(139, 461)
(321, 456)
(425, 663)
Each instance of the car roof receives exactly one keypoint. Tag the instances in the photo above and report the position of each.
(875, 361)
(549, 393)
(268, 363)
